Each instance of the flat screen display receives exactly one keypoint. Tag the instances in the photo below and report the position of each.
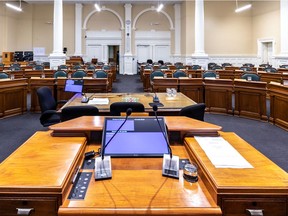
(74, 85)
(138, 137)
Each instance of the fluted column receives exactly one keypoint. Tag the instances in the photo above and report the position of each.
(177, 11)
(78, 29)
(57, 57)
(199, 28)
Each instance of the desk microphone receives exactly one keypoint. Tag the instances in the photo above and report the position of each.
(170, 167)
(103, 164)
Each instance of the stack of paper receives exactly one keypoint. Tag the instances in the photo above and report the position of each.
(99, 101)
(221, 153)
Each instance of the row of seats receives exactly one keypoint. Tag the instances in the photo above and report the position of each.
(50, 116)
(62, 73)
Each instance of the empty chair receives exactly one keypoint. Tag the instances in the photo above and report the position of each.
(91, 67)
(72, 112)
(195, 67)
(62, 67)
(211, 65)
(148, 67)
(79, 74)
(251, 76)
(117, 107)
(179, 73)
(271, 70)
(248, 65)
(3, 75)
(284, 66)
(265, 65)
(195, 111)
(60, 73)
(156, 73)
(76, 67)
(245, 68)
(106, 67)
(100, 74)
(38, 67)
(163, 67)
(161, 62)
(209, 74)
(48, 105)
(149, 61)
(15, 68)
(226, 65)
(215, 67)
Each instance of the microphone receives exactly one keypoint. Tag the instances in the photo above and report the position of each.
(170, 167)
(103, 164)
(155, 98)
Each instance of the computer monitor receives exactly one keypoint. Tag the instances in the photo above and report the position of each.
(74, 85)
(138, 137)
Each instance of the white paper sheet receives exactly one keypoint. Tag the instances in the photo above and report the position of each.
(221, 153)
(99, 101)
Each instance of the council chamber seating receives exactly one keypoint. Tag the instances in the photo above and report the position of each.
(100, 74)
(60, 73)
(48, 105)
(251, 76)
(209, 74)
(117, 108)
(79, 74)
(179, 73)
(72, 112)
(3, 75)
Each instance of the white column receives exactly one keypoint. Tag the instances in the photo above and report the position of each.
(128, 59)
(284, 27)
(177, 11)
(78, 29)
(57, 57)
(199, 28)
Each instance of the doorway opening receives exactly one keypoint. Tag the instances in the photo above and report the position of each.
(266, 51)
(113, 56)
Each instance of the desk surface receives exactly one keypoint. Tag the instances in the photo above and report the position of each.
(171, 104)
(174, 123)
(138, 187)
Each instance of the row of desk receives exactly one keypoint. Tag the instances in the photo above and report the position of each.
(38, 177)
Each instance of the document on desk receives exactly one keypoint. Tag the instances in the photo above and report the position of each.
(99, 101)
(221, 153)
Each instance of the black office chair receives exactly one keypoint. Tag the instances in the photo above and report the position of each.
(72, 112)
(251, 76)
(209, 74)
(117, 107)
(48, 105)
(195, 111)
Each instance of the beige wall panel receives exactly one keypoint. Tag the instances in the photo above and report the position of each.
(69, 28)
(227, 32)
(2, 28)
(43, 27)
(266, 23)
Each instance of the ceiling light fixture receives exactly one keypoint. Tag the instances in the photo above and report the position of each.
(160, 7)
(14, 7)
(97, 7)
(245, 7)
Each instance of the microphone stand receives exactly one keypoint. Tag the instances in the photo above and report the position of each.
(170, 167)
(103, 168)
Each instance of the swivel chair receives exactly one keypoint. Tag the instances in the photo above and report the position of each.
(195, 111)
(117, 107)
(72, 112)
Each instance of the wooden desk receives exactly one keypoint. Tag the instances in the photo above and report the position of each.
(218, 95)
(278, 104)
(250, 99)
(13, 97)
(85, 124)
(263, 187)
(38, 174)
(172, 105)
(137, 187)
(34, 84)
(192, 88)
(268, 77)
(160, 84)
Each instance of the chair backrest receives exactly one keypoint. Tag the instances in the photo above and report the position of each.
(211, 65)
(163, 67)
(117, 107)
(156, 73)
(245, 68)
(252, 76)
(100, 74)
(91, 67)
(106, 67)
(38, 67)
(72, 112)
(209, 74)
(60, 73)
(248, 65)
(62, 67)
(46, 99)
(3, 75)
(179, 73)
(271, 70)
(284, 66)
(195, 67)
(195, 111)
(79, 74)
(215, 67)
(226, 65)
(15, 68)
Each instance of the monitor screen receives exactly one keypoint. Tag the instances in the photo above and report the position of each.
(138, 137)
(72, 85)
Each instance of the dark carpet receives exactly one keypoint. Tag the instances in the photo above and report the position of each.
(267, 138)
